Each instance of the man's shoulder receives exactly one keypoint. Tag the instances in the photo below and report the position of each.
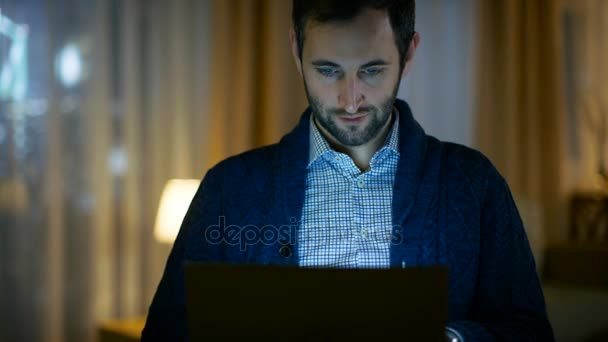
(255, 164)
(462, 163)
(468, 176)
(464, 158)
(258, 157)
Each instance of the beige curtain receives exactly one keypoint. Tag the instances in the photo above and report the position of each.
(587, 27)
(257, 94)
(217, 79)
(171, 88)
(520, 116)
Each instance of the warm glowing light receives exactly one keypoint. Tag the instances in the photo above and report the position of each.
(174, 204)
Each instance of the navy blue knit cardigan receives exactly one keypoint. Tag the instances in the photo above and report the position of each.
(453, 207)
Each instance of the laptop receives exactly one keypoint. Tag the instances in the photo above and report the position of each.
(290, 303)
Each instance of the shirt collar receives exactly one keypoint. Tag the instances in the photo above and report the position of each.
(319, 145)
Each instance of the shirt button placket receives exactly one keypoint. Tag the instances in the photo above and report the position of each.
(360, 183)
(364, 233)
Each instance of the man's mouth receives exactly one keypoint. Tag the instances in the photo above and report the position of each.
(353, 119)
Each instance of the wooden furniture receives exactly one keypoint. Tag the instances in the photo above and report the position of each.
(589, 217)
(583, 259)
(584, 264)
(126, 330)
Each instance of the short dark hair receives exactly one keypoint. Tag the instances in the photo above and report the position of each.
(401, 13)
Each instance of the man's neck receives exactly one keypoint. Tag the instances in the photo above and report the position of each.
(361, 155)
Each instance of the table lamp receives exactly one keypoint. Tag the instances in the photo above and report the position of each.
(174, 204)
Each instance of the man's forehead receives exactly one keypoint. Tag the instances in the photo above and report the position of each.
(368, 23)
(367, 36)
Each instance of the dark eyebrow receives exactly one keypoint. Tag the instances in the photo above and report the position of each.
(375, 62)
(323, 62)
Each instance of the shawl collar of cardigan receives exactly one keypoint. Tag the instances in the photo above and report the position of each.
(412, 171)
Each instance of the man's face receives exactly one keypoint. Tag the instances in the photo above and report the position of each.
(351, 74)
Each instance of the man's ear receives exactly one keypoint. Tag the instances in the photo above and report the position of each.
(411, 52)
(295, 51)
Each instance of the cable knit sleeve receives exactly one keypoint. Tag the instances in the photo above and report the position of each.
(509, 303)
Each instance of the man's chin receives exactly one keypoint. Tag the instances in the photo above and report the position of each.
(352, 138)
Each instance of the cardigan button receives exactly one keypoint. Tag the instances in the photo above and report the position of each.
(285, 251)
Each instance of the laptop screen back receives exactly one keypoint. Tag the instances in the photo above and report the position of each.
(303, 303)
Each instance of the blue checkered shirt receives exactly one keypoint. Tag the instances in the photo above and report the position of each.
(347, 217)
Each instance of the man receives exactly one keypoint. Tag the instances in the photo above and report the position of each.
(358, 184)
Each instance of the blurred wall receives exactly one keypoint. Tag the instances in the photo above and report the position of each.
(441, 84)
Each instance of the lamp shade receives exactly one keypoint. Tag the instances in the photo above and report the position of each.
(174, 203)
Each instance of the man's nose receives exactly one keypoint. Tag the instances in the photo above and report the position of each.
(351, 97)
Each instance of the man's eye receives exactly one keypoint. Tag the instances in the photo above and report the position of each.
(372, 71)
(328, 72)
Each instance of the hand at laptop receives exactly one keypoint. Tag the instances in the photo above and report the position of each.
(452, 335)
